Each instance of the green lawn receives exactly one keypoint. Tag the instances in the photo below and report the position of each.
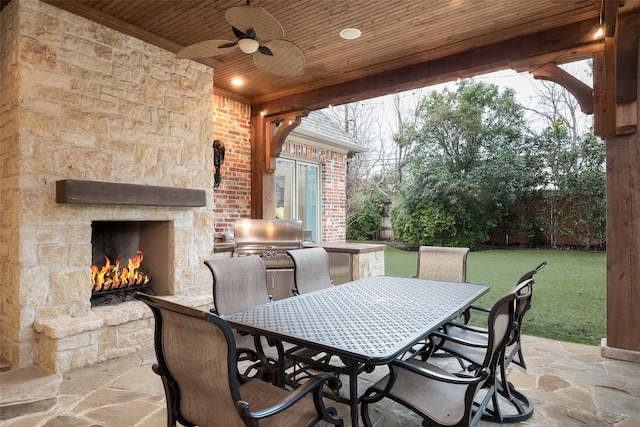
(569, 299)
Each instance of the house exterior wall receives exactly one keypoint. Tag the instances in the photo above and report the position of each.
(11, 330)
(334, 171)
(232, 199)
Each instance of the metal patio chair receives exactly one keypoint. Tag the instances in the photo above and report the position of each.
(196, 359)
(442, 263)
(455, 341)
(514, 347)
(441, 397)
(238, 284)
(311, 270)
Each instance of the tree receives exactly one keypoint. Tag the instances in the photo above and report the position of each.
(468, 163)
(574, 162)
(583, 189)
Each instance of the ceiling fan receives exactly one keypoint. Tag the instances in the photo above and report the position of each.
(257, 33)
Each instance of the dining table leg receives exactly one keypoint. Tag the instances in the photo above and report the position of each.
(354, 398)
(276, 367)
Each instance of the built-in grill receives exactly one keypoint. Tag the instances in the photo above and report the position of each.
(269, 239)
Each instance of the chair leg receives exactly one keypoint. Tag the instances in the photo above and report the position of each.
(521, 403)
(172, 404)
(367, 398)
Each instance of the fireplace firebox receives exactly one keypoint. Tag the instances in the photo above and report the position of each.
(147, 241)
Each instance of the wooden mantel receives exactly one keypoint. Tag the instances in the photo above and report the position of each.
(112, 193)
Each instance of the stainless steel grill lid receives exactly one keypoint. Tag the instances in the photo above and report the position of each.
(268, 238)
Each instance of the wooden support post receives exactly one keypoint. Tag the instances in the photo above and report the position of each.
(623, 199)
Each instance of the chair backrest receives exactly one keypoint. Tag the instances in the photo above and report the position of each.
(442, 263)
(194, 351)
(525, 285)
(311, 269)
(500, 325)
(238, 283)
(530, 274)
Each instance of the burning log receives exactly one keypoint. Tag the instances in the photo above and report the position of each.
(111, 276)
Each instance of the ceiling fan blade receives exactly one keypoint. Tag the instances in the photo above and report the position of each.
(206, 49)
(239, 34)
(262, 22)
(287, 59)
(265, 50)
(227, 45)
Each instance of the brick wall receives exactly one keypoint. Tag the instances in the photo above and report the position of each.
(232, 199)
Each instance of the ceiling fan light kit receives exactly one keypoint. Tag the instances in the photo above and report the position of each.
(258, 33)
(248, 45)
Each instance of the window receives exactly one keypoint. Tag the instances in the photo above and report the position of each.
(297, 194)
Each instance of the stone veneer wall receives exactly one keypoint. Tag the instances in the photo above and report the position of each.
(232, 122)
(9, 257)
(81, 101)
(334, 171)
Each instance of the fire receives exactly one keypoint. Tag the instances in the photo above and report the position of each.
(112, 276)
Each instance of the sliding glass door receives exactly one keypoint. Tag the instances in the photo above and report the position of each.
(297, 194)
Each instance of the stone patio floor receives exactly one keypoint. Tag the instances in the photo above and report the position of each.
(570, 384)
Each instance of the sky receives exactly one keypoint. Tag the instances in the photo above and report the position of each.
(524, 85)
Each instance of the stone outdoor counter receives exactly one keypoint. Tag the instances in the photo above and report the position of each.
(352, 261)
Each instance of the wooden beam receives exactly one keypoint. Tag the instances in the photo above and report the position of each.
(465, 64)
(268, 134)
(610, 18)
(582, 92)
(113, 193)
(609, 88)
(627, 41)
(579, 53)
(228, 94)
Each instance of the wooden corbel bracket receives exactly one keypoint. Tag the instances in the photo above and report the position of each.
(277, 129)
(582, 91)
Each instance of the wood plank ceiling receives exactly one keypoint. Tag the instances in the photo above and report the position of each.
(395, 34)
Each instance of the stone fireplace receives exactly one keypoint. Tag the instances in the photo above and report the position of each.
(71, 331)
(102, 113)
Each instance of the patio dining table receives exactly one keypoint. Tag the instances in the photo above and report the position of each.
(372, 320)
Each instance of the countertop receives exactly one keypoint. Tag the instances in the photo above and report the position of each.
(342, 247)
(348, 247)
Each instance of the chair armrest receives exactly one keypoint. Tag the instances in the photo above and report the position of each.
(475, 329)
(314, 385)
(460, 341)
(467, 313)
(478, 308)
(449, 377)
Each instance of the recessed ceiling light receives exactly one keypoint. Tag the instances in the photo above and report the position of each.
(237, 82)
(350, 33)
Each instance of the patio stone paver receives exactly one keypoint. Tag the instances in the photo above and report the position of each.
(570, 384)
